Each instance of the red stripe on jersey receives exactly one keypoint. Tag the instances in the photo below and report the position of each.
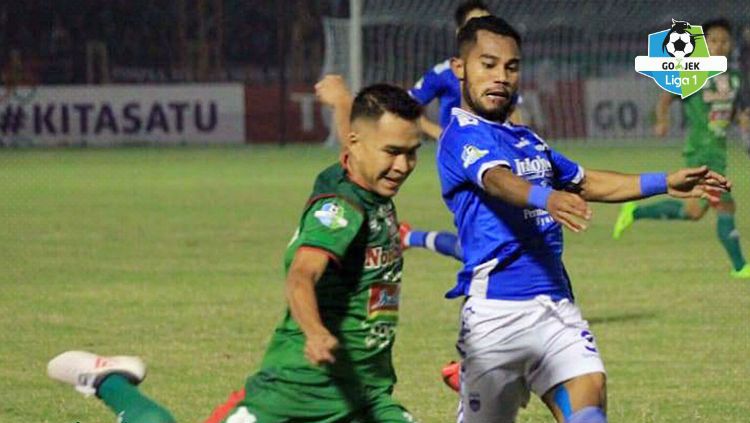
(322, 250)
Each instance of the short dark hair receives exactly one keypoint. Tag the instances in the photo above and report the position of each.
(717, 23)
(375, 100)
(468, 34)
(463, 9)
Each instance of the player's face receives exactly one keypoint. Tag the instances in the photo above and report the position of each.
(383, 153)
(719, 41)
(489, 72)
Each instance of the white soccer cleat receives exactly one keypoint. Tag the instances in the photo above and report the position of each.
(85, 370)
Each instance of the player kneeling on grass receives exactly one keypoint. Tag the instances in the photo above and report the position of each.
(511, 195)
(330, 358)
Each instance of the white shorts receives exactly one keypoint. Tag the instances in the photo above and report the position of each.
(511, 348)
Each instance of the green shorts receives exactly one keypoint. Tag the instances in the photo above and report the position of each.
(715, 159)
(270, 400)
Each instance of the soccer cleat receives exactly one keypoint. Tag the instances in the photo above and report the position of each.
(624, 219)
(404, 228)
(743, 273)
(85, 370)
(452, 375)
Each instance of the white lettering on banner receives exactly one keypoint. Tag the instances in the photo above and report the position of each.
(623, 107)
(108, 114)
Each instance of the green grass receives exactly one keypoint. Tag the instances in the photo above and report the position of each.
(175, 255)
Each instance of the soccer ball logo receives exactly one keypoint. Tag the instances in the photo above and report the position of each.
(678, 42)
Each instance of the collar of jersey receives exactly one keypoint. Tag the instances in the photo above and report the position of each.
(458, 110)
(365, 195)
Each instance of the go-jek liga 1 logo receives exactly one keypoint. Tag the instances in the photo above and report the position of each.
(678, 59)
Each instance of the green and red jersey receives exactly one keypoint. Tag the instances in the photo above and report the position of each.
(358, 295)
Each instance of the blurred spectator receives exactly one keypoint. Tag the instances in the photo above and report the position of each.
(307, 42)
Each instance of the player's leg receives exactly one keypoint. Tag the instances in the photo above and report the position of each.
(270, 397)
(579, 400)
(114, 380)
(730, 237)
(491, 394)
(570, 376)
(632, 211)
(445, 243)
(382, 408)
(496, 341)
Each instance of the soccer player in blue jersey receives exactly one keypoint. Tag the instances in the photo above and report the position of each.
(511, 195)
(438, 83)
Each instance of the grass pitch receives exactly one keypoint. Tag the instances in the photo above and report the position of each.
(175, 255)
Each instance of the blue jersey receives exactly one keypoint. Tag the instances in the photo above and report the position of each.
(510, 253)
(439, 82)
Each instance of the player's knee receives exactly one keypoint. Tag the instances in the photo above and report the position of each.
(588, 415)
(156, 415)
(694, 213)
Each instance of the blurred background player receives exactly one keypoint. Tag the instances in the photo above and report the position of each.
(709, 114)
(511, 195)
(330, 358)
(438, 83)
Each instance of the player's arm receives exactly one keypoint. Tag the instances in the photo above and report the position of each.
(742, 108)
(661, 128)
(516, 117)
(432, 129)
(333, 92)
(308, 266)
(428, 88)
(611, 187)
(567, 208)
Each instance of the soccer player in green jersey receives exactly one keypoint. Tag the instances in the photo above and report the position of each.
(329, 359)
(709, 113)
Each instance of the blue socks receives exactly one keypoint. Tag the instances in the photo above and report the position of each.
(588, 415)
(445, 243)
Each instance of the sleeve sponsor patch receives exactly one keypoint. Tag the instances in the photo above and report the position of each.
(471, 154)
(331, 215)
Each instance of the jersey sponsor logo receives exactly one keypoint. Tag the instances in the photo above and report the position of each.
(471, 154)
(377, 257)
(384, 300)
(724, 90)
(332, 216)
(523, 143)
(537, 167)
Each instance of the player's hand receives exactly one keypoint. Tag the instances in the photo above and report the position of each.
(697, 182)
(661, 129)
(332, 91)
(569, 209)
(319, 348)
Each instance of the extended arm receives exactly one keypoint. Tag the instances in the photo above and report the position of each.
(611, 187)
(305, 271)
(432, 129)
(333, 92)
